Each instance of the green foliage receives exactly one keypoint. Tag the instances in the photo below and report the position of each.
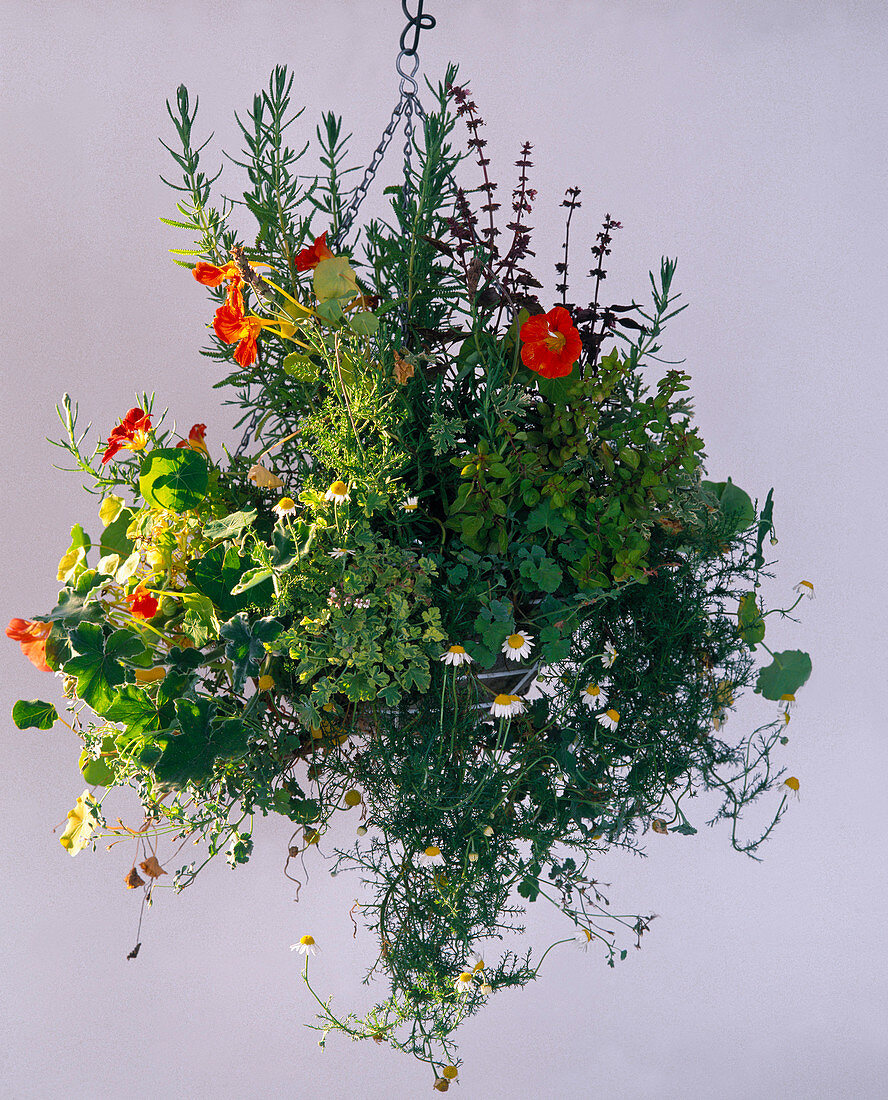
(189, 753)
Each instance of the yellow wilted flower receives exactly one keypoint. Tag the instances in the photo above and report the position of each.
(149, 675)
(263, 479)
(81, 825)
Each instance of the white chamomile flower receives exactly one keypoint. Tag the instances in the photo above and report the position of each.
(593, 696)
(456, 655)
(475, 963)
(788, 701)
(506, 705)
(464, 981)
(286, 506)
(305, 946)
(583, 939)
(805, 588)
(609, 719)
(790, 787)
(518, 645)
(339, 552)
(410, 504)
(485, 989)
(609, 655)
(431, 857)
(337, 493)
(538, 689)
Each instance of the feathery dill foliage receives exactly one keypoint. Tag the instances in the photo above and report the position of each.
(464, 571)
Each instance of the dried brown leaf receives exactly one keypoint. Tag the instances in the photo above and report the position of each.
(151, 867)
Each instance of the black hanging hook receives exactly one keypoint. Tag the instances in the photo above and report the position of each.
(416, 23)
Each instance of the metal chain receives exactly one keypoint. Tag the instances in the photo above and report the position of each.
(408, 105)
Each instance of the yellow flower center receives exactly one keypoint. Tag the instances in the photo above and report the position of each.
(555, 341)
(456, 649)
(449, 1072)
(432, 852)
(515, 641)
(792, 783)
(307, 940)
(593, 689)
(286, 504)
(503, 700)
(339, 488)
(614, 715)
(465, 977)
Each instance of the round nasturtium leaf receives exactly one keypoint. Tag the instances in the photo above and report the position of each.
(785, 675)
(174, 477)
(34, 714)
(97, 772)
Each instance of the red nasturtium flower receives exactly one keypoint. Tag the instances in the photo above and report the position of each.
(310, 257)
(142, 604)
(195, 439)
(32, 637)
(131, 433)
(551, 343)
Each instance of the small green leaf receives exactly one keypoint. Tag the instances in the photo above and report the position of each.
(246, 644)
(97, 772)
(230, 526)
(301, 366)
(363, 323)
(34, 714)
(251, 579)
(733, 502)
(114, 540)
(334, 278)
(750, 624)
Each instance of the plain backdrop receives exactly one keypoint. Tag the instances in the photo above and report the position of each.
(748, 139)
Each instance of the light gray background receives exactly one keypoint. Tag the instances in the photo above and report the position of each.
(746, 138)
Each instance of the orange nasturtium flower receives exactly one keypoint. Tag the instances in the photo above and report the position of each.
(195, 440)
(210, 275)
(32, 637)
(233, 326)
(142, 604)
(131, 433)
(551, 343)
(310, 257)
